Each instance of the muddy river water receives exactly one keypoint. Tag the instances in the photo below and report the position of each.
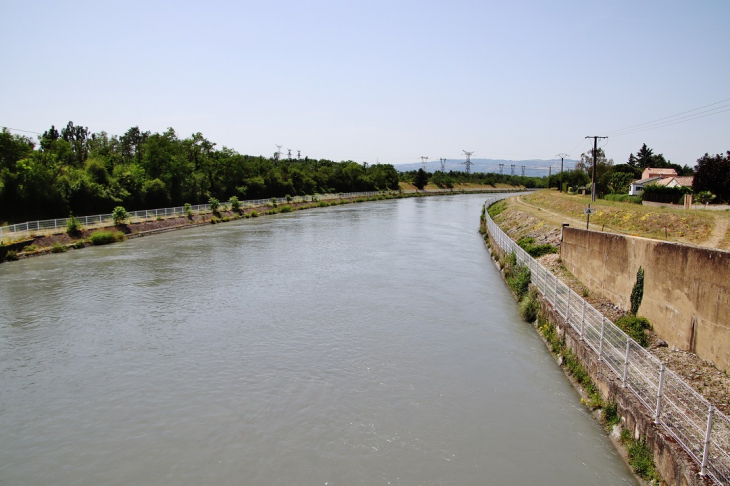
(359, 344)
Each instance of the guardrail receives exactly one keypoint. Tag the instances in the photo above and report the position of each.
(99, 220)
(701, 429)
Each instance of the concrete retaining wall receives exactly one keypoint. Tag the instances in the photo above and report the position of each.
(686, 288)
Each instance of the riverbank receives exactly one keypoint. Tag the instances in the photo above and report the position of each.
(516, 219)
(651, 455)
(44, 244)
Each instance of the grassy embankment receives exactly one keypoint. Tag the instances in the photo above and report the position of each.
(544, 210)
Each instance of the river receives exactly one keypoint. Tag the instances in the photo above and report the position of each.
(359, 344)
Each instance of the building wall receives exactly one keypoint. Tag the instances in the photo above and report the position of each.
(686, 288)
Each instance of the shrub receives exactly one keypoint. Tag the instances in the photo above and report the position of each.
(119, 215)
(634, 326)
(105, 237)
(30, 249)
(288, 198)
(287, 209)
(58, 247)
(78, 244)
(322, 204)
(235, 204)
(73, 226)
(530, 306)
(11, 256)
(273, 201)
(517, 276)
(254, 214)
(188, 210)
(637, 293)
(214, 204)
(535, 251)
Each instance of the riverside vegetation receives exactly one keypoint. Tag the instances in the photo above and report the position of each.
(77, 236)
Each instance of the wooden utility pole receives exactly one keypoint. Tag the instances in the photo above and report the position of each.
(595, 154)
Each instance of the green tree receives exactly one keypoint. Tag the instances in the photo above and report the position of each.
(421, 179)
(712, 173)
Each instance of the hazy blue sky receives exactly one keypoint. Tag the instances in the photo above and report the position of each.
(388, 81)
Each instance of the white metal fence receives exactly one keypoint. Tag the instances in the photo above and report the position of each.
(698, 427)
(50, 226)
(99, 220)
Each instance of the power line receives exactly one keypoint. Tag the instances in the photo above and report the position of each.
(674, 116)
(19, 130)
(693, 117)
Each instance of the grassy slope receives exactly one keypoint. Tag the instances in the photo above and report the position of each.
(694, 227)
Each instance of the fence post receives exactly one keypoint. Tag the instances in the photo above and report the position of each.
(600, 343)
(545, 288)
(582, 319)
(659, 394)
(567, 309)
(555, 294)
(626, 364)
(706, 451)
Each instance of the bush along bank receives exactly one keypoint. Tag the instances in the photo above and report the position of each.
(652, 454)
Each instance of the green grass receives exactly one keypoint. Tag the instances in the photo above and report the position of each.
(286, 209)
(497, 208)
(105, 237)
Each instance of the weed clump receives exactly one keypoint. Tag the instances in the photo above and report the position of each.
(530, 306)
(286, 209)
(105, 237)
(640, 457)
(11, 256)
(517, 276)
(635, 326)
(58, 247)
(535, 251)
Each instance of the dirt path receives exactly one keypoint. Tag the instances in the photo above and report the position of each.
(718, 232)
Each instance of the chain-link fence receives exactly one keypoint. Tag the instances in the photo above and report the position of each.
(702, 430)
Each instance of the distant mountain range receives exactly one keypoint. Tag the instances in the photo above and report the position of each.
(534, 167)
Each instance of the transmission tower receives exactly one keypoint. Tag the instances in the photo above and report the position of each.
(550, 171)
(523, 170)
(443, 165)
(299, 154)
(289, 154)
(512, 169)
(277, 154)
(468, 161)
(501, 169)
(562, 156)
(424, 161)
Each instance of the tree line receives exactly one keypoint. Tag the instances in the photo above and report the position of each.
(76, 171)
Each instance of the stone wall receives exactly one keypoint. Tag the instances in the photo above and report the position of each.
(686, 288)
